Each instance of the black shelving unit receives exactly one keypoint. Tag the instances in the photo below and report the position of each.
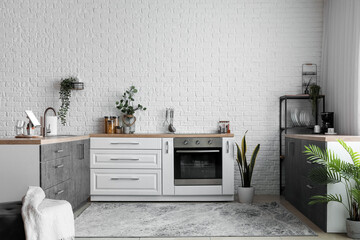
(283, 129)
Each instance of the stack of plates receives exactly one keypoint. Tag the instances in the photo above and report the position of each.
(300, 119)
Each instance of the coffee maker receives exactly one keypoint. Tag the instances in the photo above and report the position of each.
(327, 121)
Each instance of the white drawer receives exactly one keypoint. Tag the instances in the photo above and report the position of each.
(126, 143)
(125, 159)
(125, 182)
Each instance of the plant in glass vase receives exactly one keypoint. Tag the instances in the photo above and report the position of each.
(126, 106)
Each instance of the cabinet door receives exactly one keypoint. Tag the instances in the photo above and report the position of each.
(292, 173)
(80, 154)
(228, 154)
(168, 166)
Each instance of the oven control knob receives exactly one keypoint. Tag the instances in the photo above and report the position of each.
(210, 142)
(197, 142)
(186, 142)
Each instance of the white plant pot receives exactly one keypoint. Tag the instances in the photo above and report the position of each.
(353, 229)
(246, 194)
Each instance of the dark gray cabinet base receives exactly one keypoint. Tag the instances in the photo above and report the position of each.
(298, 186)
(65, 171)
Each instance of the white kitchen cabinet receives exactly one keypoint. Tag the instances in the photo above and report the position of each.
(142, 169)
(125, 182)
(19, 169)
(228, 154)
(168, 166)
(137, 158)
(125, 143)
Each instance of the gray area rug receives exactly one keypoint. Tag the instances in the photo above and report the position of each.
(188, 220)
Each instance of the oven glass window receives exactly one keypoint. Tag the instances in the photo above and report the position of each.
(198, 167)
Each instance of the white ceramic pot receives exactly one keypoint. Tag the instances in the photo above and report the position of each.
(353, 229)
(246, 194)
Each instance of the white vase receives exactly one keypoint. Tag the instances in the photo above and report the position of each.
(353, 229)
(246, 194)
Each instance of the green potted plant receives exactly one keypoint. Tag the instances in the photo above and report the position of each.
(314, 96)
(246, 191)
(66, 86)
(126, 106)
(334, 170)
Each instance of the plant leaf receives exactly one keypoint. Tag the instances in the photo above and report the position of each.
(253, 160)
(325, 199)
(354, 155)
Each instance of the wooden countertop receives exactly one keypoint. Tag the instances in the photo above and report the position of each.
(69, 138)
(164, 135)
(45, 140)
(324, 138)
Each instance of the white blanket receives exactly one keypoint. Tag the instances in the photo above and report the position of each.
(46, 219)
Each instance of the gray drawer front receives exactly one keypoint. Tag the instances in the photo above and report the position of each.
(55, 171)
(53, 151)
(62, 191)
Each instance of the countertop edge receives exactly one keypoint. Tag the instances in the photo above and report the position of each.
(161, 135)
(60, 139)
(324, 138)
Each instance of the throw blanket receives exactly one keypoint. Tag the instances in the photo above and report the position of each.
(46, 219)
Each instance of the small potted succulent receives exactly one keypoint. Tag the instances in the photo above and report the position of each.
(126, 106)
(246, 191)
(333, 170)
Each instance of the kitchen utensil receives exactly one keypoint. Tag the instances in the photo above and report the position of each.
(172, 129)
(166, 121)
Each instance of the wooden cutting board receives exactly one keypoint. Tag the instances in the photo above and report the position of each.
(27, 136)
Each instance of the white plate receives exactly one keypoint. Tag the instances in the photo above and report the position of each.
(330, 133)
(296, 117)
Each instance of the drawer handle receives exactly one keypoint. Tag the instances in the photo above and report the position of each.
(133, 143)
(124, 178)
(59, 192)
(227, 147)
(131, 159)
(167, 147)
(309, 186)
(59, 166)
(59, 151)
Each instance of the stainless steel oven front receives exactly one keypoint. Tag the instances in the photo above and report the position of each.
(197, 161)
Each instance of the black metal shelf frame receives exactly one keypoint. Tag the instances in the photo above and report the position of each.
(283, 129)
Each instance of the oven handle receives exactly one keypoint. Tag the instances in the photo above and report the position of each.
(197, 151)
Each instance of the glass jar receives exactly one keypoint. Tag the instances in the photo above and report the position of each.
(106, 119)
(110, 126)
(116, 122)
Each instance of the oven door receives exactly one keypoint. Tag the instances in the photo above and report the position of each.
(201, 166)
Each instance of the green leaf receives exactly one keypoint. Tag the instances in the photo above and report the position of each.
(354, 155)
(325, 199)
(253, 159)
(323, 176)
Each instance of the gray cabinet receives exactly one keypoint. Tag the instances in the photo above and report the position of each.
(298, 187)
(80, 156)
(65, 171)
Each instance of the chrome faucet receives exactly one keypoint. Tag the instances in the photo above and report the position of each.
(44, 127)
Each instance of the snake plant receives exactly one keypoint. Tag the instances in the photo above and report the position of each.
(246, 170)
(333, 170)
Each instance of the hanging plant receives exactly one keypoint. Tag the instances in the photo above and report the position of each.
(314, 96)
(66, 86)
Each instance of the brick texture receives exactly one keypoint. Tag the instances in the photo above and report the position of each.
(210, 60)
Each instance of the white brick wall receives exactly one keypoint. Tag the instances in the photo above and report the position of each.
(211, 60)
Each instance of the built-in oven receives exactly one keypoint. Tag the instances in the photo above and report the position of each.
(197, 161)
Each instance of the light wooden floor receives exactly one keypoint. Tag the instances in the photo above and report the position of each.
(264, 198)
